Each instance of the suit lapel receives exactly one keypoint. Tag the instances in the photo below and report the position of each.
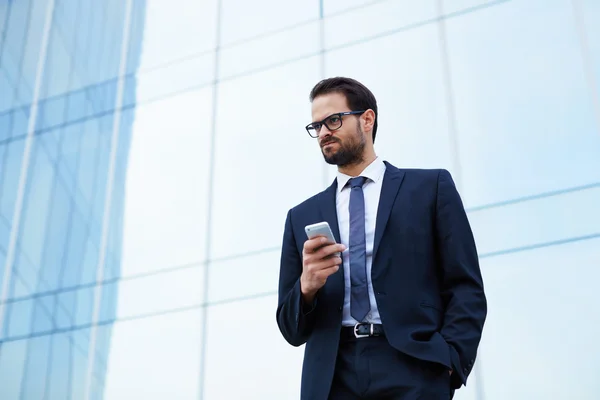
(329, 210)
(329, 213)
(389, 190)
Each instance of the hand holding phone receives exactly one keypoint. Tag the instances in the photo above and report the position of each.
(321, 257)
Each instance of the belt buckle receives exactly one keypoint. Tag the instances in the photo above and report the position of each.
(357, 335)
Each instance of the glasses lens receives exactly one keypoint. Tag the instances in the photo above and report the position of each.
(334, 122)
(313, 129)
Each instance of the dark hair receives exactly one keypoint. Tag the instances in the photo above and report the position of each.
(358, 96)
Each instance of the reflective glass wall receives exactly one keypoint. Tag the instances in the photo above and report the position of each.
(149, 152)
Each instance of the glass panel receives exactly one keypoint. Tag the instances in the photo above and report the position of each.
(167, 178)
(254, 275)
(413, 127)
(178, 289)
(36, 367)
(457, 6)
(259, 147)
(7, 100)
(15, 35)
(382, 18)
(292, 44)
(525, 117)
(32, 49)
(60, 369)
(6, 124)
(174, 29)
(155, 358)
(244, 342)
(545, 316)
(590, 13)
(243, 19)
(9, 177)
(12, 361)
(58, 65)
(532, 222)
(186, 75)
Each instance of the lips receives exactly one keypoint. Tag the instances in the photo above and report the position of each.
(328, 143)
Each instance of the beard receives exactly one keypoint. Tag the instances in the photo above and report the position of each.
(349, 152)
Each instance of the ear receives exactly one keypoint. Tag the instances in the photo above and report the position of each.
(368, 120)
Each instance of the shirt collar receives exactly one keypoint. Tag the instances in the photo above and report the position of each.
(373, 172)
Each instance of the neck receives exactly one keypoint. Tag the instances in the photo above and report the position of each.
(356, 169)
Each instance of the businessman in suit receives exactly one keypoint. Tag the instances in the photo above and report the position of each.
(400, 314)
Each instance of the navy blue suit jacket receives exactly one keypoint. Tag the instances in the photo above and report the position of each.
(425, 275)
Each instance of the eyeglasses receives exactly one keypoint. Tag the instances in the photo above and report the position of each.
(333, 123)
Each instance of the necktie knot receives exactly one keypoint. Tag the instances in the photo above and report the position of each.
(359, 181)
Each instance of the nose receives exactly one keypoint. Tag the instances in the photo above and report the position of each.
(324, 131)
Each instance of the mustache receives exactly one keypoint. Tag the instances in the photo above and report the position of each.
(329, 141)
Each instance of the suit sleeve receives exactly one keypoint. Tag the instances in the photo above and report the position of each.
(295, 318)
(462, 283)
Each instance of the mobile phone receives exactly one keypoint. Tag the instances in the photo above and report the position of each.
(320, 229)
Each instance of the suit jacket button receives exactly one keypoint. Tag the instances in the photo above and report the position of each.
(340, 308)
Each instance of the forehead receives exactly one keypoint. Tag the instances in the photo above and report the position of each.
(327, 104)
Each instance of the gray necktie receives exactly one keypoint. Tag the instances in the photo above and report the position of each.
(359, 298)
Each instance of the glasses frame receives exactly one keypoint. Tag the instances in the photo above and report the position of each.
(324, 122)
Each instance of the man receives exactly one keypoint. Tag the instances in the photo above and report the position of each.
(400, 314)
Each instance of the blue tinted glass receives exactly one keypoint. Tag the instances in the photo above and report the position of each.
(52, 112)
(43, 314)
(9, 177)
(60, 368)
(4, 233)
(12, 360)
(37, 209)
(85, 300)
(16, 28)
(65, 309)
(7, 94)
(74, 251)
(57, 68)
(76, 105)
(20, 123)
(10, 70)
(6, 122)
(19, 318)
(56, 236)
(36, 367)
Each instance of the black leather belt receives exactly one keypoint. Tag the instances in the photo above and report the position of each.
(362, 330)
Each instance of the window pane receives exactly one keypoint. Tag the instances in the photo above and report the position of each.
(174, 29)
(590, 14)
(254, 275)
(167, 180)
(337, 6)
(244, 342)
(155, 358)
(531, 222)
(381, 18)
(410, 94)
(12, 362)
(456, 6)
(291, 44)
(36, 367)
(187, 75)
(243, 19)
(543, 317)
(12, 155)
(265, 162)
(525, 117)
(178, 289)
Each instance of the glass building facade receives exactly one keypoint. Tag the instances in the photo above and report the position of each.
(149, 152)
